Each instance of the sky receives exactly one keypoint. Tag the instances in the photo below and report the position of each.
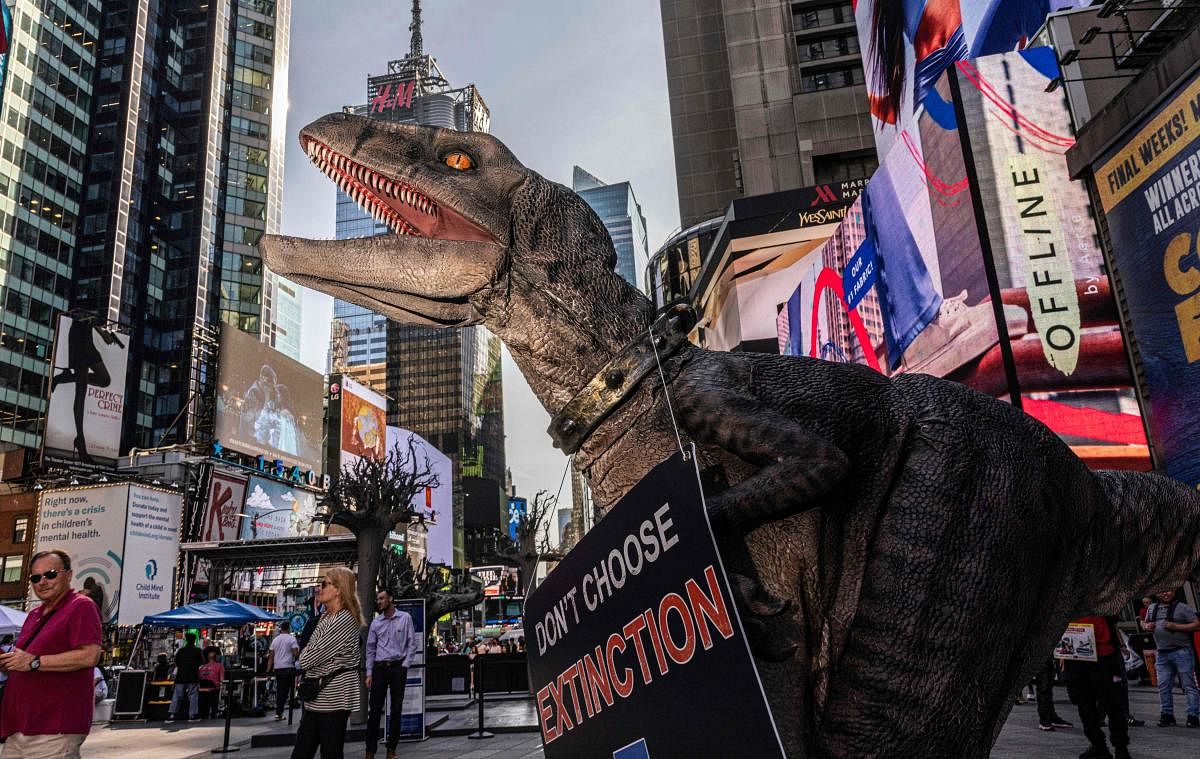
(581, 82)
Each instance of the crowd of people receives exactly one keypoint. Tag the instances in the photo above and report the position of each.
(1098, 683)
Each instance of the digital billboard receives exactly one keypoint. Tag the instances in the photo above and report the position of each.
(89, 524)
(122, 539)
(363, 422)
(435, 504)
(87, 392)
(1059, 310)
(1148, 187)
(151, 550)
(268, 404)
(908, 46)
(901, 285)
(276, 509)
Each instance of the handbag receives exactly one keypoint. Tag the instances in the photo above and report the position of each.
(310, 687)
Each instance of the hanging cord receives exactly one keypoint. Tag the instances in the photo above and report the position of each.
(561, 482)
(666, 394)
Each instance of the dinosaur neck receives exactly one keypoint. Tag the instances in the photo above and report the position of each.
(562, 333)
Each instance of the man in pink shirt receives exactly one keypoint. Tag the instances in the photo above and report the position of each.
(47, 709)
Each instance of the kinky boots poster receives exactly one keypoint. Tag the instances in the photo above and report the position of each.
(636, 647)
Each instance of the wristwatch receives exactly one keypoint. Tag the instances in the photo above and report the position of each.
(36, 664)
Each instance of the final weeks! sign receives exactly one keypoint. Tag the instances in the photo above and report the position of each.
(635, 639)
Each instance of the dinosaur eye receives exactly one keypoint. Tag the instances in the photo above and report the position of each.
(459, 161)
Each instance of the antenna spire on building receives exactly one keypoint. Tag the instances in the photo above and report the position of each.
(415, 50)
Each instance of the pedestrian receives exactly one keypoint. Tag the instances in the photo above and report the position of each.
(330, 663)
(1043, 681)
(212, 675)
(1173, 623)
(1095, 689)
(162, 669)
(47, 709)
(391, 643)
(187, 681)
(282, 662)
(99, 685)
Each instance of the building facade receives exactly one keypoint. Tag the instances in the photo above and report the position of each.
(766, 96)
(444, 385)
(621, 214)
(44, 134)
(184, 173)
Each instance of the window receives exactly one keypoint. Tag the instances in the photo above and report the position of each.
(20, 529)
(12, 567)
(830, 80)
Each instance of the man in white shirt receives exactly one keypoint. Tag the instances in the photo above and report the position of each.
(391, 643)
(282, 661)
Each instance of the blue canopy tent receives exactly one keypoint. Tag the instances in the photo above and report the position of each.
(219, 611)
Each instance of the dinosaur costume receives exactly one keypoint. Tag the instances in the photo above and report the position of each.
(930, 542)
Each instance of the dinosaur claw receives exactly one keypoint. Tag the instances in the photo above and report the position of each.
(764, 647)
(751, 597)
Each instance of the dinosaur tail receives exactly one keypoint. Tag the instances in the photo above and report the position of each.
(1144, 540)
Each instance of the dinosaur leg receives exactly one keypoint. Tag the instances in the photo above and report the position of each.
(795, 465)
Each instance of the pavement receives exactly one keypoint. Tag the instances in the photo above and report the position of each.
(514, 722)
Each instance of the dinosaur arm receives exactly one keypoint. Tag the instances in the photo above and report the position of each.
(1147, 541)
(796, 465)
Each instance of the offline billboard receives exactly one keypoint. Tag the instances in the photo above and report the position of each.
(363, 422)
(435, 504)
(1148, 187)
(908, 46)
(267, 403)
(1059, 311)
(87, 392)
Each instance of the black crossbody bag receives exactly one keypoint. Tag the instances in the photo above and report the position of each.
(311, 687)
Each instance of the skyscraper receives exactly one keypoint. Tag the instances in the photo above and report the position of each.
(184, 173)
(765, 96)
(441, 384)
(618, 208)
(47, 116)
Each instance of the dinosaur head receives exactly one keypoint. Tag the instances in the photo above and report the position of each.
(445, 195)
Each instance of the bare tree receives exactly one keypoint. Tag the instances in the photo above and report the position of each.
(532, 545)
(445, 590)
(370, 498)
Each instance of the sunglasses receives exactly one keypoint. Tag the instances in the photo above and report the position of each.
(49, 574)
(323, 583)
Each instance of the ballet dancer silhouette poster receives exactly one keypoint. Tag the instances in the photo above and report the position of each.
(87, 392)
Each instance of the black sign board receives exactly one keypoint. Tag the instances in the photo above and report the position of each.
(635, 647)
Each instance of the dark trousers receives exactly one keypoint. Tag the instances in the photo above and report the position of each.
(285, 680)
(1095, 689)
(385, 678)
(210, 701)
(323, 730)
(1043, 683)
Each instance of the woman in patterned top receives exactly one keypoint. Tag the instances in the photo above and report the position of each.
(334, 653)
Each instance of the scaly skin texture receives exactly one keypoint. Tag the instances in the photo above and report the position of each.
(932, 542)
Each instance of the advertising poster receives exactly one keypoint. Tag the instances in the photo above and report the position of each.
(517, 508)
(1148, 184)
(908, 46)
(151, 549)
(412, 715)
(364, 422)
(900, 285)
(87, 392)
(1058, 305)
(89, 524)
(666, 592)
(268, 404)
(222, 514)
(1078, 643)
(277, 510)
(436, 504)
